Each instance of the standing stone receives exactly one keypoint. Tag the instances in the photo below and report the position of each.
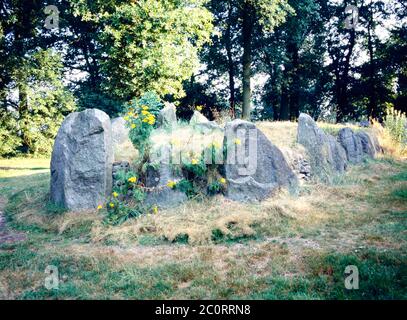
(207, 127)
(352, 145)
(167, 118)
(376, 143)
(159, 173)
(82, 159)
(326, 155)
(123, 148)
(364, 124)
(254, 167)
(368, 144)
(198, 118)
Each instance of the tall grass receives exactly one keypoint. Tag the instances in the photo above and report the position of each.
(392, 134)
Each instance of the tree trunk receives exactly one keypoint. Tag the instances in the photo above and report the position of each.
(295, 85)
(344, 109)
(284, 106)
(372, 106)
(231, 69)
(247, 58)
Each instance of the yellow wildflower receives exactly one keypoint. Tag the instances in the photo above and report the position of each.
(238, 142)
(145, 113)
(155, 209)
(115, 194)
(222, 180)
(199, 108)
(126, 118)
(111, 205)
(194, 162)
(130, 114)
(132, 180)
(175, 142)
(171, 184)
(145, 108)
(100, 207)
(216, 144)
(133, 126)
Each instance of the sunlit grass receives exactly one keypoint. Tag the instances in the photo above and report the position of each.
(23, 166)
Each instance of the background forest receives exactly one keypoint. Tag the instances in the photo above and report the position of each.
(256, 59)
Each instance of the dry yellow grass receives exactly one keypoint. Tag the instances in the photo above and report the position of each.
(282, 133)
(270, 242)
(391, 147)
(199, 220)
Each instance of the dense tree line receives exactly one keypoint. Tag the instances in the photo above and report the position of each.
(312, 62)
(259, 59)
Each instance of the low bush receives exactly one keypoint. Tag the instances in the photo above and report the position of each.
(393, 133)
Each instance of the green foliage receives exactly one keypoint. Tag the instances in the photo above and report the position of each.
(200, 178)
(395, 122)
(215, 188)
(151, 45)
(89, 97)
(195, 167)
(44, 102)
(187, 187)
(10, 141)
(140, 116)
(127, 199)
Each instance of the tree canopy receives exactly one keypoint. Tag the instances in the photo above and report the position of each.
(258, 59)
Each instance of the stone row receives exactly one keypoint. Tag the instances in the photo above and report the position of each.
(90, 150)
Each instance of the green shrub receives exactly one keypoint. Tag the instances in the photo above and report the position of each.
(141, 115)
(10, 141)
(395, 123)
(127, 200)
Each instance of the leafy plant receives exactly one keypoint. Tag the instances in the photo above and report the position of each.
(392, 134)
(187, 187)
(141, 116)
(127, 200)
(395, 123)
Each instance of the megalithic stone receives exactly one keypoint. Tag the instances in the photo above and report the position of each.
(326, 154)
(255, 168)
(82, 160)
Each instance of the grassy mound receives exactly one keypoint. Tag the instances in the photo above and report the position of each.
(286, 247)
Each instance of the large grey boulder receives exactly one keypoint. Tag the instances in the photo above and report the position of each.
(167, 118)
(368, 142)
(159, 173)
(254, 168)
(123, 148)
(207, 127)
(198, 117)
(82, 159)
(352, 145)
(326, 155)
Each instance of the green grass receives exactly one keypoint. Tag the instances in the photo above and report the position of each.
(297, 248)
